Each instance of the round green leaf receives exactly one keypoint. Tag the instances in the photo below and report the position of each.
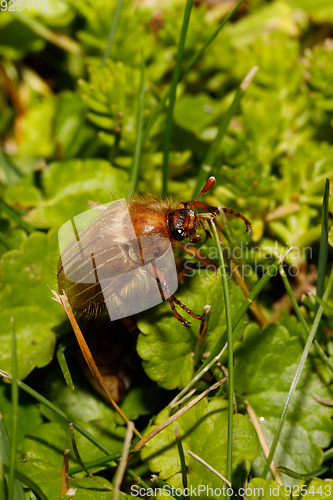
(166, 346)
(26, 278)
(265, 364)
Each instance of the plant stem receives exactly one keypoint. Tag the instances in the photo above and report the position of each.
(172, 100)
(14, 397)
(134, 172)
(327, 362)
(323, 249)
(188, 67)
(230, 349)
(112, 32)
(206, 168)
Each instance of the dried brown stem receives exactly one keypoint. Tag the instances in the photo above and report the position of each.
(63, 300)
(64, 482)
(262, 439)
(123, 460)
(178, 414)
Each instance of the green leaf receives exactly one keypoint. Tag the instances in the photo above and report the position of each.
(197, 112)
(80, 404)
(265, 364)
(71, 134)
(36, 129)
(166, 346)
(203, 430)
(24, 194)
(25, 296)
(10, 237)
(69, 185)
(17, 40)
(140, 400)
(265, 489)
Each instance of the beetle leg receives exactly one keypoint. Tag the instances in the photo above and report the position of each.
(172, 299)
(180, 304)
(195, 238)
(207, 233)
(176, 313)
(240, 216)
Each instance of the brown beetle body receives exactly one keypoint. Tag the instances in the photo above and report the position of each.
(132, 266)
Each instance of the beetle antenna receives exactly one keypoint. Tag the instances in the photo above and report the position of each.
(209, 184)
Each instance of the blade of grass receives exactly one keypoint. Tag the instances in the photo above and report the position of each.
(207, 167)
(172, 97)
(219, 346)
(95, 463)
(328, 454)
(236, 263)
(4, 459)
(14, 398)
(159, 108)
(20, 477)
(165, 487)
(181, 457)
(323, 249)
(112, 31)
(79, 459)
(64, 366)
(226, 296)
(311, 307)
(301, 319)
(319, 301)
(134, 171)
(2, 482)
(16, 218)
(296, 475)
(297, 376)
(2, 477)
